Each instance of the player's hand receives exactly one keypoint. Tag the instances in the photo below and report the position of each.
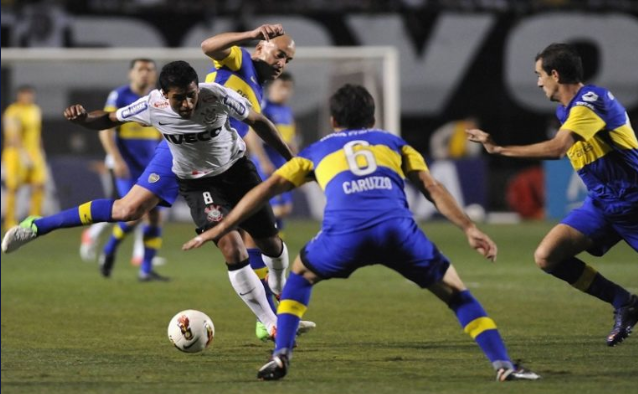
(481, 137)
(76, 113)
(194, 243)
(482, 243)
(266, 32)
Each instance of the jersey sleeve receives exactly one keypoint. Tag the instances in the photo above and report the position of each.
(232, 61)
(137, 112)
(237, 106)
(111, 102)
(584, 122)
(296, 170)
(412, 160)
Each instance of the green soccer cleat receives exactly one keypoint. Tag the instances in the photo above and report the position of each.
(20, 235)
(262, 332)
(265, 336)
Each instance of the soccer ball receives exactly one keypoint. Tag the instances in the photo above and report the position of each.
(191, 331)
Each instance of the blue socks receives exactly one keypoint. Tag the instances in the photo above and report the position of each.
(91, 212)
(481, 328)
(293, 305)
(586, 279)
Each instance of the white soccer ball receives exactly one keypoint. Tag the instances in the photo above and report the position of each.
(191, 331)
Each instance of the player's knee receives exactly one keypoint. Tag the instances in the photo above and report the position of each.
(124, 212)
(270, 246)
(542, 258)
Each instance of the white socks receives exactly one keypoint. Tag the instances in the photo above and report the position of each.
(277, 270)
(249, 288)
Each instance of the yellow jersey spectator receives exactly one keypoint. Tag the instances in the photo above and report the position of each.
(22, 154)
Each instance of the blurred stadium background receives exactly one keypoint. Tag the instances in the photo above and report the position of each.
(429, 62)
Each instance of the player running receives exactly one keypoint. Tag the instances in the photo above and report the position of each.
(367, 221)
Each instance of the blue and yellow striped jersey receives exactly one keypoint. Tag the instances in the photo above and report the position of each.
(136, 143)
(282, 117)
(606, 153)
(237, 72)
(362, 175)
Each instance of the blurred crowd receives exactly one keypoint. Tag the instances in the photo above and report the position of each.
(318, 6)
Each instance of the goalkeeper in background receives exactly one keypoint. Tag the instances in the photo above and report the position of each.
(22, 154)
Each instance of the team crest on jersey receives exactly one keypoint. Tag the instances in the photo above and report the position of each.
(590, 97)
(210, 116)
(213, 213)
(153, 178)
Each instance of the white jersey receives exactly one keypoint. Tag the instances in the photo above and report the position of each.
(203, 145)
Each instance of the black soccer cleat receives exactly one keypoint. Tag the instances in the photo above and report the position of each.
(625, 318)
(106, 264)
(275, 369)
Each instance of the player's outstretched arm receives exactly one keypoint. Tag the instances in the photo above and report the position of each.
(248, 205)
(95, 120)
(267, 131)
(218, 46)
(448, 207)
(556, 148)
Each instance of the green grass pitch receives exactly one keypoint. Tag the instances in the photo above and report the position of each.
(65, 329)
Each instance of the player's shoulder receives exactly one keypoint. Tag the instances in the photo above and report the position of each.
(591, 95)
(212, 88)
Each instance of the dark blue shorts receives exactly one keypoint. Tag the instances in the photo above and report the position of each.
(604, 230)
(397, 243)
(158, 176)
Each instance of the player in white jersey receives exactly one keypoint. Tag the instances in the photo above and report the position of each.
(208, 159)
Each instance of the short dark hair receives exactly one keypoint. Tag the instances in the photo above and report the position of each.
(285, 77)
(177, 74)
(140, 59)
(565, 60)
(352, 106)
(25, 88)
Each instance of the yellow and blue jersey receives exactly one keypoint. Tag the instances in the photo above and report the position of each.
(136, 143)
(605, 155)
(237, 72)
(282, 117)
(362, 174)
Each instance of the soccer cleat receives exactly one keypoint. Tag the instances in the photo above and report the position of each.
(88, 247)
(106, 262)
(626, 318)
(516, 373)
(262, 332)
(305, 326)
(19, 235)
(152, 277)
(275, 369)
(263, 335)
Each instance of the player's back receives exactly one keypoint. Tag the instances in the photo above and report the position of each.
(362, 175)
(606, 155)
